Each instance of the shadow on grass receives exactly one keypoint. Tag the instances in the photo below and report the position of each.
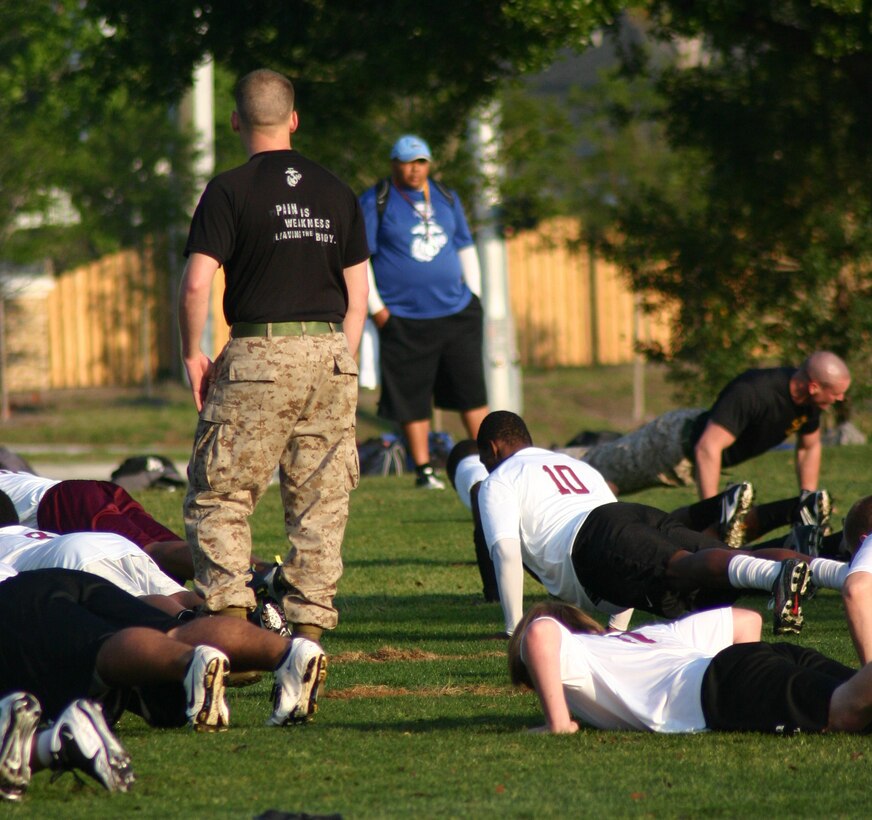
(405, 561)
(419, 619)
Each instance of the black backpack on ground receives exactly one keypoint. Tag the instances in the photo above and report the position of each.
(382, 455)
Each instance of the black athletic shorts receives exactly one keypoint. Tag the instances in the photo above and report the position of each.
(432, 361)
(770, 687)
(621, 552)
(54, 622)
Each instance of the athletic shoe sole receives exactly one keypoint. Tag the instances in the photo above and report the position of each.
(268, 615)
(212, 715)
(312, 680)
(790, 588)
(15, 745)
(733, 525)
(819, 514)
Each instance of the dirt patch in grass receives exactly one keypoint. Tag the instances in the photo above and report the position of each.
(387, 654)
(376, 691)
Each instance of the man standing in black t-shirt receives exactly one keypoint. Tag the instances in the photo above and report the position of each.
(756, 411)
(283, 391)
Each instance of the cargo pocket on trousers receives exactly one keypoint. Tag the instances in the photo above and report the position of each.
(345, 366)
(251, 370)
(212, 459)
(352, 463)
(344, 363)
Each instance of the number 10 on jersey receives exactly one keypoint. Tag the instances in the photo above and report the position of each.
(566, 480)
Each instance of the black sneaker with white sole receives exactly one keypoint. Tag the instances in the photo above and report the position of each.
(425, 479)
(805, 538)
(268, 614)
(815, 508)
(788, 591)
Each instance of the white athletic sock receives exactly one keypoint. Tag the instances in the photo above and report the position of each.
(828, 574)
(747, 572)
(43, 748)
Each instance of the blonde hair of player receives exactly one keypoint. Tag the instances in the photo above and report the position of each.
(570, 616)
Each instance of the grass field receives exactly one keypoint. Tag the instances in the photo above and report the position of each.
(100, 422)
(418, 718)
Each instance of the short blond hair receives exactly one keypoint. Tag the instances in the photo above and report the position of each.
(264, 99)
(570, 616)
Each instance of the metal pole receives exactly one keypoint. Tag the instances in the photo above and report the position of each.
(638, 362)
(5, 412)
(502, 368)
(203, 121)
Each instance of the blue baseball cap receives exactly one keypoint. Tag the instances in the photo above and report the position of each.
(408, 148)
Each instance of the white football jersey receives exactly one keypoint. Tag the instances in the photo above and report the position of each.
(862, 560)
(106, 554)
(543, 498)
(648, 679)
(25, 490)
(469, 472)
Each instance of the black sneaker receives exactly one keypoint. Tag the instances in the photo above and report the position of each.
(19, 717)
(805, 538)
(788, 591)
(268, 615)
(269, 583)
(735, 503)
(815, 508)
(260, 578)
(81, 739)
(426, 480)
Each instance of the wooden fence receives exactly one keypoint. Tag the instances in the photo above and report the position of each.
(571, 308)
(110, 322)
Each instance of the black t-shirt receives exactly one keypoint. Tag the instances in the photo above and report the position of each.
(284, 228)
(757, 409)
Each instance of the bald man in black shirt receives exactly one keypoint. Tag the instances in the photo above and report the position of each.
(756, 411)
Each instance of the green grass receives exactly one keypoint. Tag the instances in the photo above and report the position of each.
(94, 424)
(109, 424)
(418, 718)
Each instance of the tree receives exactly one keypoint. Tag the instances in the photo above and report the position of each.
(364, 72)
(85, 87)
(768, 247)
(105, 155)
(723, 161)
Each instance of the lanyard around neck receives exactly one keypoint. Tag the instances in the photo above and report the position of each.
(427, 212)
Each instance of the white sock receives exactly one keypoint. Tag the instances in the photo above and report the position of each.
(43, 748)
(828, 574)
(747, 572)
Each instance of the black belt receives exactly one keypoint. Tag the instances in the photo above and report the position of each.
(266, 330)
